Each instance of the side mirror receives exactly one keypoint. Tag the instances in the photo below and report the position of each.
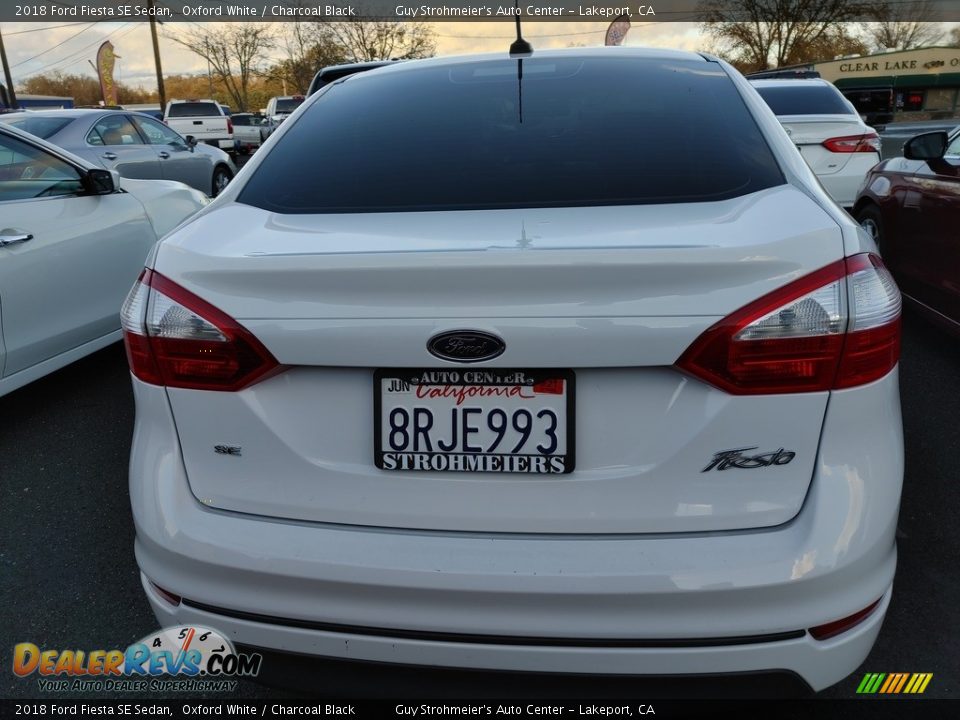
(191, 141)
(928, 146)
(101, 182)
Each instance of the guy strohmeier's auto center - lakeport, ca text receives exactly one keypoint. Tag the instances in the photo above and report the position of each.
(279, 11)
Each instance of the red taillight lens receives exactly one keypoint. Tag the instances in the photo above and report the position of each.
(177, 339)
(832, 629)
(229, 126)
(869, 142)
(835, 328)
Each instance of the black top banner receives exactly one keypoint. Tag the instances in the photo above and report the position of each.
(170, 11)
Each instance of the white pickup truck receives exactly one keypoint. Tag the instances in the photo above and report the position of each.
(249, 131)
(203, 119)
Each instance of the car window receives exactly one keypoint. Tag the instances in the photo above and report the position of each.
(953, 149)
(593, 131)
(42, 127)
(114, 130)
(288, 105)
(193, 109)
(28, 172)
(802, 99)
(242, 120)
(157, 133)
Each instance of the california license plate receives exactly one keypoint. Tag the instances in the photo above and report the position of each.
(476, 420)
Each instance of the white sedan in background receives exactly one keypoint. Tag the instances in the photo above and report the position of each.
(835, 142)
(72, 239)
(599, 382)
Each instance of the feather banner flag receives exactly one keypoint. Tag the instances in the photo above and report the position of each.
(617, 31)
(105, 62)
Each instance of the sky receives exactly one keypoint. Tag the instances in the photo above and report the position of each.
(45, 48)
(34, 48)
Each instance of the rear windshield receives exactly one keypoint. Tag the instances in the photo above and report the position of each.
(805, 100)
(574, 132)
(289, 105)
(42, 127)
(193, 109)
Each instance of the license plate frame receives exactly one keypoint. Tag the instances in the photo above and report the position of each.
(531, 377)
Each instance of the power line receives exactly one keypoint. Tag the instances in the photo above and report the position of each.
(72, 56)
(48, 27)
(82, 30)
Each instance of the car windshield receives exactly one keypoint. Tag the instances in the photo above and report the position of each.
(42, 127)
(288, 105)
(577, 131)
(193, 109)
(805, 100)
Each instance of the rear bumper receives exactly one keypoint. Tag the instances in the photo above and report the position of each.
(600, 604)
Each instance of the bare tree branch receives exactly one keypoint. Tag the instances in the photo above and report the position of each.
(904, 27)
(234, 52)
(364, 40)
(758, 34)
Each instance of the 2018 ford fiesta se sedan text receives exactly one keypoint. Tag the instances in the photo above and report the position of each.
(568, 367)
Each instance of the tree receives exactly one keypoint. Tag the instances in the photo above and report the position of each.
(308, 48)
(758, 34)
(84, 89)
(235, 53)
(955, 36)
(364, 40)
(905, 27)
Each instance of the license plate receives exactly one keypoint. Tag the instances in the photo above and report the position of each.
(476, 420)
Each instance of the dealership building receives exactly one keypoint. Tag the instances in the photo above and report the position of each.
(919, 84)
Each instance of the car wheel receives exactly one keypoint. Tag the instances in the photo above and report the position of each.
(221, 178)
(871, 220)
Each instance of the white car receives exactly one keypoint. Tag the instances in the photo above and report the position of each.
(827, 129)
(72, 238)
(602, 383)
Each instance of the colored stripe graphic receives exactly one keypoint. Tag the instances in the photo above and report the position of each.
(894, 683)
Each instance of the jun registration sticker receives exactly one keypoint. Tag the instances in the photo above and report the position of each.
(489, 420)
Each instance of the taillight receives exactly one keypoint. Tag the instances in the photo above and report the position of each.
(835, 328)
(869, 142)
(229, 126)
(832, 629)
(175, 338)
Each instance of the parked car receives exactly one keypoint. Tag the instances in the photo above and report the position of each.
(602, 383)
(281, 107)
(893, 136)
(332, 73)
(72, 238)
(152, 109)
(911, 207)
(249, 132)
(205, 120)
(135, 145)
(838, 146)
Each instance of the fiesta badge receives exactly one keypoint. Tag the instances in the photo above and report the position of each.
(466, 346)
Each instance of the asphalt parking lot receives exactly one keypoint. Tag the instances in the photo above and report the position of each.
(66, 536)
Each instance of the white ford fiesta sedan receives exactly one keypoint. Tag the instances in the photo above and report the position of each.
(568, 367)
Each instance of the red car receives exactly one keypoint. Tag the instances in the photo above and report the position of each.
(911, 207)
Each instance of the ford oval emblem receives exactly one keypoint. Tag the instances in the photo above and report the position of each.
(466, 346)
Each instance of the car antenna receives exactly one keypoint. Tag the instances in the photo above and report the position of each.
(519, 49)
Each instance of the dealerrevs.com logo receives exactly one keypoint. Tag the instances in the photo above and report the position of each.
(185, 658)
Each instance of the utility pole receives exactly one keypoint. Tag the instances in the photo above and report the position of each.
(156, 57)
(11, 93)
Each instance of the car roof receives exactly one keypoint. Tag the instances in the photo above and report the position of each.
(70, 113)
(790, 82)
(632, 52)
